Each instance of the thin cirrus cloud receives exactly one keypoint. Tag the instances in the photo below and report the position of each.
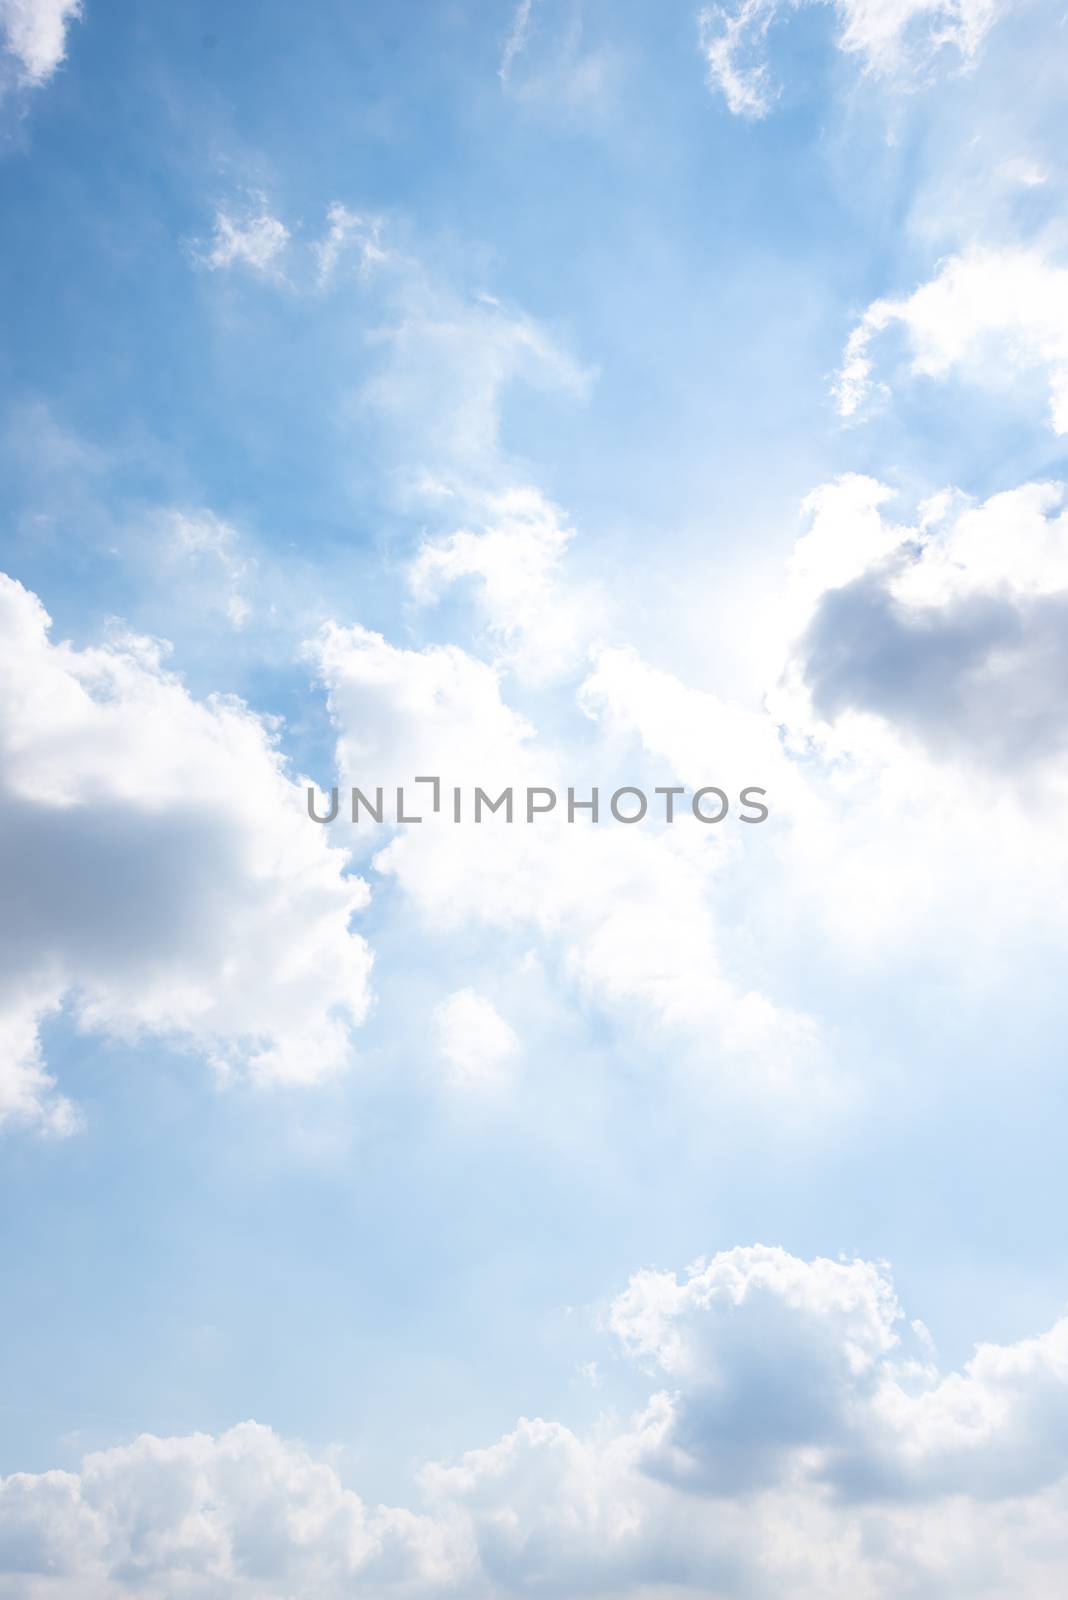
(799, 1437)
(160, 875)
(889, 40)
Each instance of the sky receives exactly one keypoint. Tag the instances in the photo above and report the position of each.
(554, 394)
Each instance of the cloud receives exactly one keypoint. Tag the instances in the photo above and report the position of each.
(518, 35)
(161, 876)
(441, 359)
(348, 231)
(547, 65)
(984, 312)
(251, 237)
(951, 631)
(537, 623)
(802, 1441)
(34, 34)
(243, 1515)
(891, 39)
(475, 1042)
(630, 913)
(204, 541)
(448, 362)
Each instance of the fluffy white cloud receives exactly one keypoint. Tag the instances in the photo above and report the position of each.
(160, 872)
(241, 1515)
(537, 624)
(804, 1442)
(251, 236)
(951, 631)
(889, 37)
(475, 1042)
(630, 912)
(911, 742)
(34, 34)
(985, 312)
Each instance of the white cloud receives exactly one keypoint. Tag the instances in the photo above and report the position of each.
(244, 1515)
(252, 237)
(1023, 173)
(448, 363)
(203, 540)
(536, 622)
(34, 34)
(804, 1442)
(950, 631)
(985, 312)
(161, 876)
(891, 37)
(628, 911)
(348, 231)
(475, 1042)
(548, 66)
(518, 35)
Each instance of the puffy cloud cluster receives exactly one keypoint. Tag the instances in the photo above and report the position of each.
(802, 1441)
(984, 312)
(888, 38)
(629, 912)
(159, 871)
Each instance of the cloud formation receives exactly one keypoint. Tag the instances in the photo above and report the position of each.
(802, 1440)
(983, 313)
(249, 236)
(952, 631)
(161, 877)
(889, 40)
(34, 35)
(629, 913)
(536, 622)
(475, 1042)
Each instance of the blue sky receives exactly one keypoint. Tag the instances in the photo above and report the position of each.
(555, 393)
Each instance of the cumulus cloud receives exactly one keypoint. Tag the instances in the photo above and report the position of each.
(475, 1042)
(161, 877)
(984, 312)
(888, 38)
(629, 911)
(802, 1440)
(537, 623)
(34, 35)
(951, 631)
